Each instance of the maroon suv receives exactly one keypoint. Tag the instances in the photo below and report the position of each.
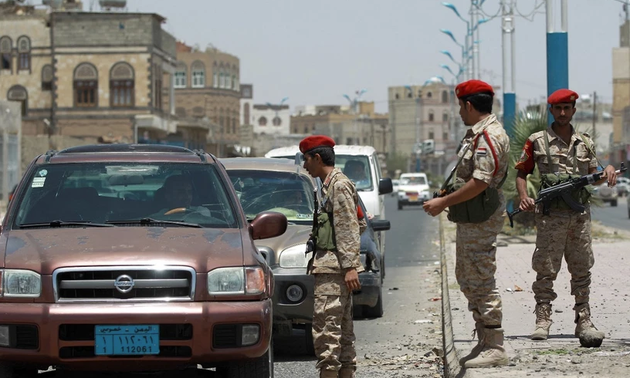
(133, 257)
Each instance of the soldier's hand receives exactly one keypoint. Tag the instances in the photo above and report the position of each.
(352, 279)
(527, 204)
(611, 175)
(434, 206)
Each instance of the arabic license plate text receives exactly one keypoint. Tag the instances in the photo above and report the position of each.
(126, 340)
(413, 198)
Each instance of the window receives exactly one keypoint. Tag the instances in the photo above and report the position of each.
(19, 94)
(444, 97)
(180, 75)
(409, 95)
(444, 136)
(429, 95)
(215, 80)
(431, 135)
(157, 86)
(24, 53)
(431, 116)
(198, 74)
(305, 129)
(85, 86)
(233, 125)
(5, 53)
(445, 117)
(246, 113)
(397, 96)
(121, 85)
(47, 77)
(262, 121)
(277, 121)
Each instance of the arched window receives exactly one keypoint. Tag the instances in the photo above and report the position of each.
(445, 117)
(24, 53)
(397, 96)
(5, 53)
(180, 75)
(429, 95)
(85, 86)
(276, 121)
(431, 115)
(262, 121)
(246, 113)
(47, 77)
(215, 75)
(121, 85)
(198, 74)
(444, 97)
(157, 86)
(18, 93)
(234, 125)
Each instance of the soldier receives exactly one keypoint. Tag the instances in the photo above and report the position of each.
(559, 152)
(480, 172)
(336, 262)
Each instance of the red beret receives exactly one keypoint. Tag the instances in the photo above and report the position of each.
(315, 141)
(562, 96)
(472, 87)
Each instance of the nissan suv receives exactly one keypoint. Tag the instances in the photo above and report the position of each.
(133, 258)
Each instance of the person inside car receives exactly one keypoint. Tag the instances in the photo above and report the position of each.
(355, 170)
(177, 196)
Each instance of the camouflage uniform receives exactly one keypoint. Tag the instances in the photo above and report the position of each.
(476, 242)
(576, 246)
(333, 333)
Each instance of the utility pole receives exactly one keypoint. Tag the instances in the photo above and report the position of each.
(594, 117)
(557, 50)
(509, 64)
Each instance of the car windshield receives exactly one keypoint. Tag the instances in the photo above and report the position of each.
(112, 193)
(357, 168)
(288, 193)
(415, 180)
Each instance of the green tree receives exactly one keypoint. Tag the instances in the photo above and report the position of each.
(397, 161)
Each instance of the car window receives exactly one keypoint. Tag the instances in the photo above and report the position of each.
(357, 168)
(415, 180)
(110, 192)
(288, 193)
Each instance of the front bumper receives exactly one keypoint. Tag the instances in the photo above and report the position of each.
(370, 289)
(194, 333)
(287, 312)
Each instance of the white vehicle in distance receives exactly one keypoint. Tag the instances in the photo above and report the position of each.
(413, 189)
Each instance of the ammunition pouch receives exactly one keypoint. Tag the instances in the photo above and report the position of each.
(477, 209)
(325, 232)
(581, 195)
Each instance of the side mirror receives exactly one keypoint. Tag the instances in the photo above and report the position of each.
(267, 225)
(385, 186)
(381, 225)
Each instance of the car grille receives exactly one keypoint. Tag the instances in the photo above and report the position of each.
(136, 283)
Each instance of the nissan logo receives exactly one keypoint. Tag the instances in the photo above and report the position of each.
(124, 283)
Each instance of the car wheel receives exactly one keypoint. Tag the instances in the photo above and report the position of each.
(261, 367)
(10, 371)
(308, 340)
(400, 206)
(613, 203)
(376, 311)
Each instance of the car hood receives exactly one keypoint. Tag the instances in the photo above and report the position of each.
(294, 235)
(44, 250)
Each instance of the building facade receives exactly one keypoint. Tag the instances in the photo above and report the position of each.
(620, 144)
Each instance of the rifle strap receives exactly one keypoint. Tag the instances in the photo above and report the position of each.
(590, 149)
(549, 163)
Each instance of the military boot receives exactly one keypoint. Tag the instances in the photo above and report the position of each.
(477, 349)
(588, 334)
(346, 373)
(323, 373)
(492, 353)
(543, 321)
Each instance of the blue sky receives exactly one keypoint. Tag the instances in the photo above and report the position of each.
(315, 51)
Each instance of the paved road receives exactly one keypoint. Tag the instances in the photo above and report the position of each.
(616, 217)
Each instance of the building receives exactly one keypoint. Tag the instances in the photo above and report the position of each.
(271, 119)
(424, 116)
(620, 144)
(87, 77)
(207, 86)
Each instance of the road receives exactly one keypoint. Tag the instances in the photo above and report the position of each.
(616, 217)
(405, 342)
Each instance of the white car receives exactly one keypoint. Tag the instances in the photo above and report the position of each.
(623, 186)
(395, 185)
(606, 193)
(413, 189)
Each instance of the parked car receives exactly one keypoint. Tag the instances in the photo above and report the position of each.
(134, 257)
(280, 185)
(623, 186)
(395, 185)
(606, 193)
(414, 190)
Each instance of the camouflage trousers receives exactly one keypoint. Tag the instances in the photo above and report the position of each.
(564, 233)
(333, 330)
(475, 265)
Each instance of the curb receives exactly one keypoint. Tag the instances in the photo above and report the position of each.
(451, 358)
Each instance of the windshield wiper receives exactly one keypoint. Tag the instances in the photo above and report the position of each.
(62, 223)
(152, 221)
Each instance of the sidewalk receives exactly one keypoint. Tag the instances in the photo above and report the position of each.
(561, 355)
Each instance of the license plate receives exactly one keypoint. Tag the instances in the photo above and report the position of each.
(413, 198)
(126, 340)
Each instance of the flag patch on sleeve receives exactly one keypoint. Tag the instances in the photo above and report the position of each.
(482, 151)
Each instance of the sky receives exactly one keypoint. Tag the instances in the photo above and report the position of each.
(314, 52)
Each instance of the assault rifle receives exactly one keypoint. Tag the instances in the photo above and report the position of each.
(564, 191)
(312, 240)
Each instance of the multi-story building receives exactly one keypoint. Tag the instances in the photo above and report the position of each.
(87, 77)
(424, 115)
(207, 85)
(620, 147)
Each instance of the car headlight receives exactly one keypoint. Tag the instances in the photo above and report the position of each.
(294, 257)
(21, 283)
(237, 280)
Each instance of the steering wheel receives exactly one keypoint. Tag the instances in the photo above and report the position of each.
(177, 210)
(302, 209)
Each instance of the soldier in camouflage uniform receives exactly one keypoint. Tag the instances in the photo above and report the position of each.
(561, 150)
(336, 267)
(483, 164)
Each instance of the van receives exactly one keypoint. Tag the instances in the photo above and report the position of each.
(362, 166)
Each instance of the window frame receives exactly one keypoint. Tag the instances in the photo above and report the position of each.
(92, 88)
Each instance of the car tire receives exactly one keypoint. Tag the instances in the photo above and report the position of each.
(613, 203)
(309, 347)
(376, 311)
(400, 206)
(10, 371)
(261, 367)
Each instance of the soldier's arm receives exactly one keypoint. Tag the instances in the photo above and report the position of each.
(346, 226)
